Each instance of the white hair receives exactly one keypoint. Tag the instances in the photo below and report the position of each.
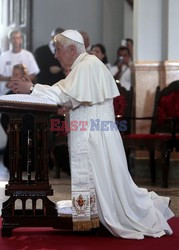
(65, 42)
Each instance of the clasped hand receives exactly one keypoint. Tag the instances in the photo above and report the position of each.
(20, 86)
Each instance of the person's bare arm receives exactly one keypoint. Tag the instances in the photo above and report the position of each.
(4, 78)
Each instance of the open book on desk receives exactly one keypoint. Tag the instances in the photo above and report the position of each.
(24, 98)
(26, 103)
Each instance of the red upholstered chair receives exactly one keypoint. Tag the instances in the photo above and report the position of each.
(123, 108)
(163, 132)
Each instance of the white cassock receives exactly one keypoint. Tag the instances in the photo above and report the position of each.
(101, 183)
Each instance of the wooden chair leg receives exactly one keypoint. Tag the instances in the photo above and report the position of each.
(165, 157)
(152, 166)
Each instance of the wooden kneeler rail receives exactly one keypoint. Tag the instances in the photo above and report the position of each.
(28, 149)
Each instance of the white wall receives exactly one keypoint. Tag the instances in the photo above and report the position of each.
(156, 32)
(113, 26)
(103, 20)
(148, 30)
(74, 14)
(173, 30)
(128, 21)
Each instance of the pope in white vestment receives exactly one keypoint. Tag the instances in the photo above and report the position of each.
(101, 184)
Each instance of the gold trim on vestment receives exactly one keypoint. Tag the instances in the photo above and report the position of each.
(86, 225)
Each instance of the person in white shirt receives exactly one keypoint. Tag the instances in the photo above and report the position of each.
(123, 63)
(102, 188)
(15, 55)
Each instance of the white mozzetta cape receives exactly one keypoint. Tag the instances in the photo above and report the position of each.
(88, 82)
(98, 164)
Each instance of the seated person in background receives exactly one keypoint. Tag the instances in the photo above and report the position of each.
(100, 51)
(50, 68)
(123, 75)
(128, 42)
(86, 41)
(19, 71)
(15, 55)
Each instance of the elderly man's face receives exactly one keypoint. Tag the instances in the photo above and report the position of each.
(64, 55)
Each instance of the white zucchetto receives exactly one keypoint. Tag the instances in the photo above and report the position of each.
(73, 35)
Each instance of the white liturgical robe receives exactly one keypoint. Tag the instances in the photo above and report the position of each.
(97, 156)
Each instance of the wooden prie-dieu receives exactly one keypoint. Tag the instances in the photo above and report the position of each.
(28, 127)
